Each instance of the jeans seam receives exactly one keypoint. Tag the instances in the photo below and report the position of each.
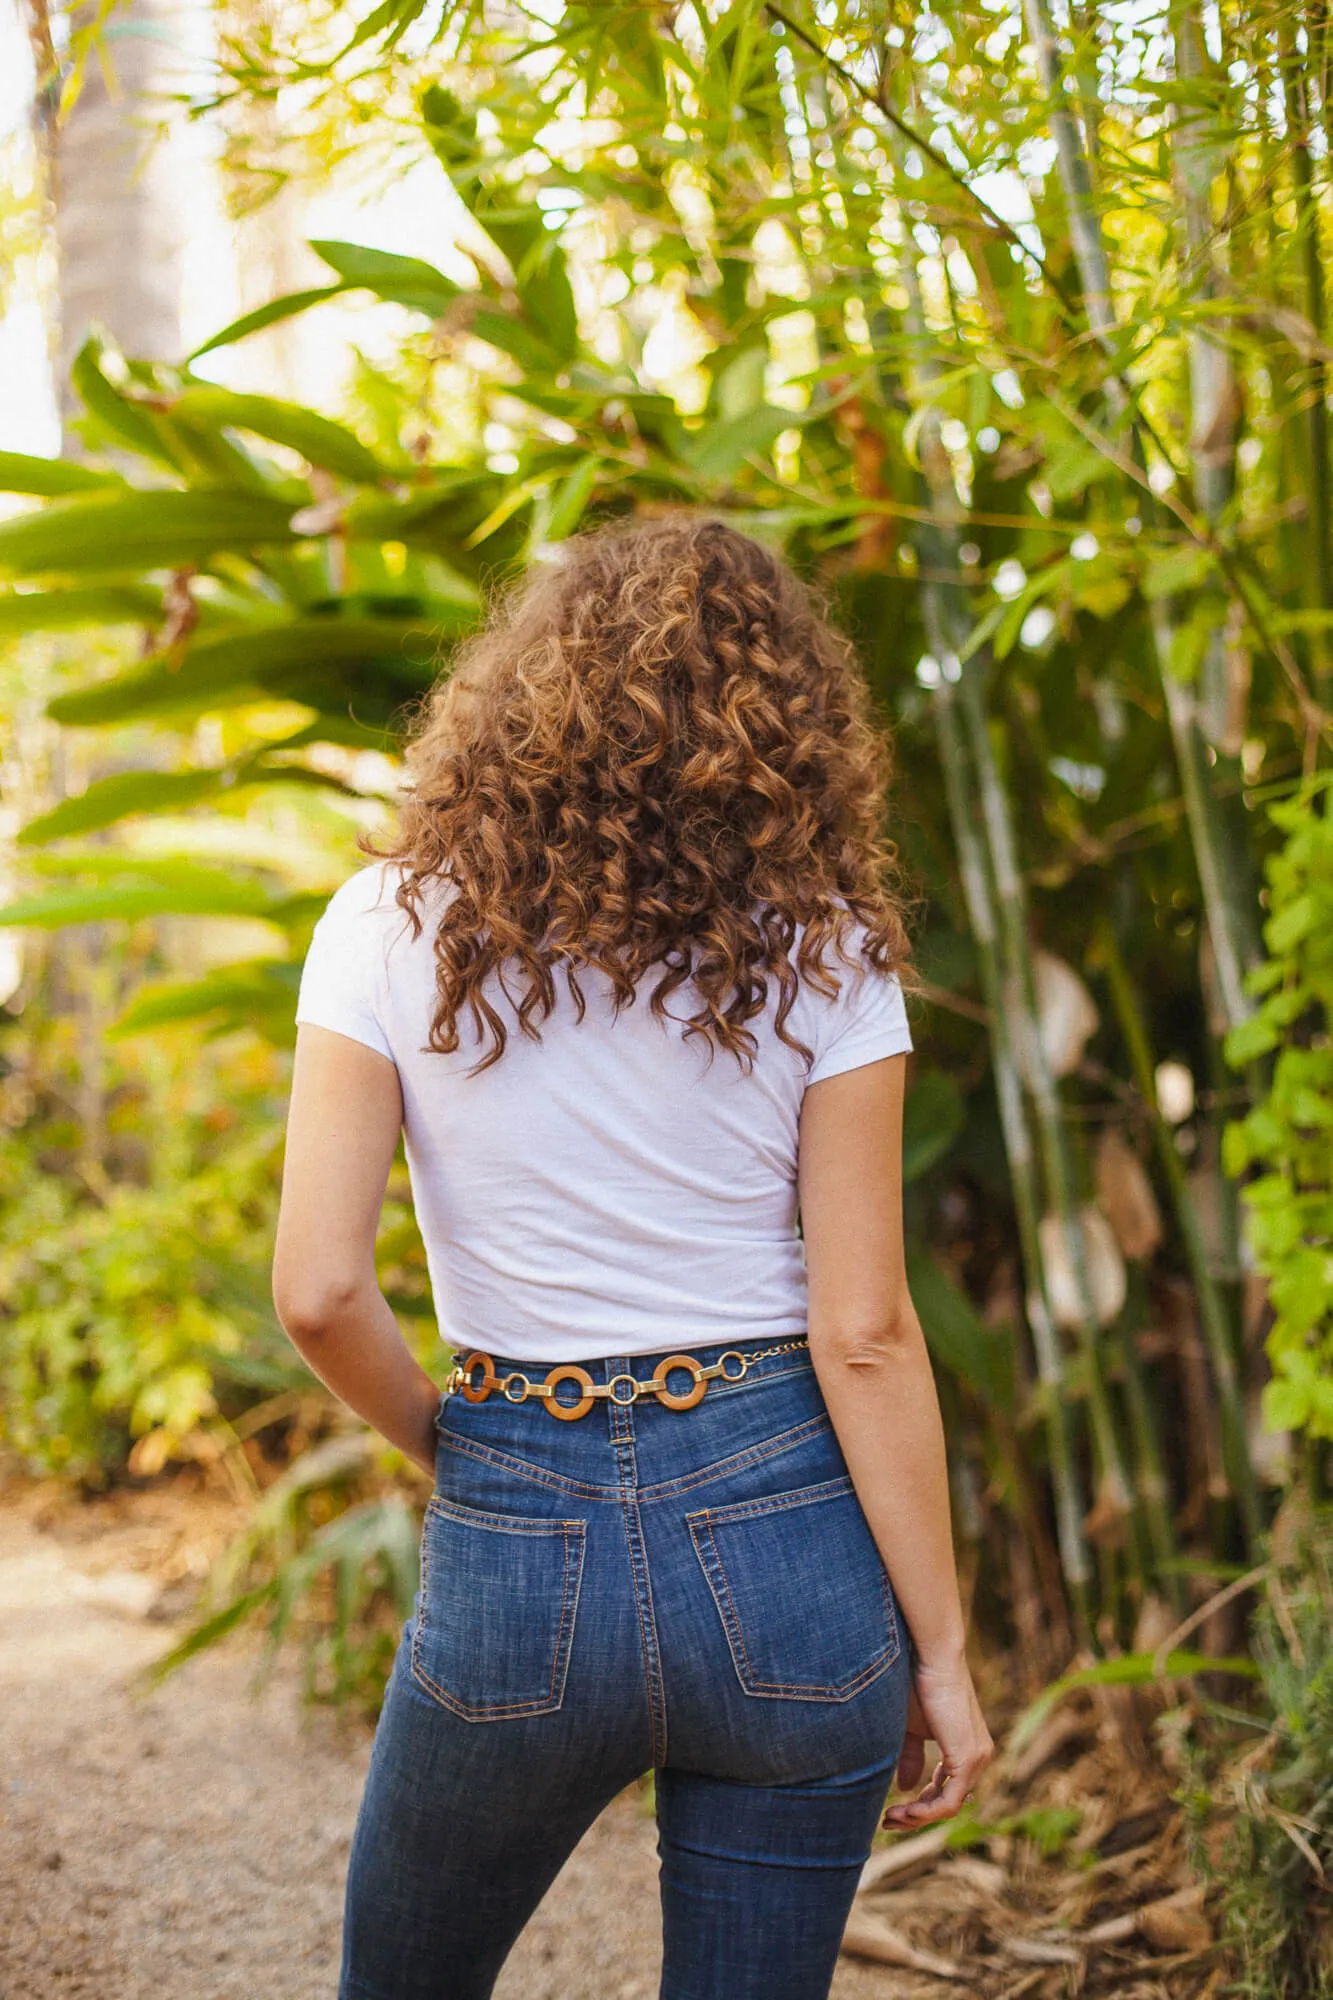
(778, 1503)
(499, 1524)
(504, 1461)
(741, 1461)
(622, 1443)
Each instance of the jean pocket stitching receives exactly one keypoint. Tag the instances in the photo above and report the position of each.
(574, 1540)
(701, 1527)
(522, 1468)
(778, 1503)
(741, 1461)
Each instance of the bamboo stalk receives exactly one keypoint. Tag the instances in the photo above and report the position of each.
(1011, 901)
(1212, 1311)
(1222, 861)
(1000, 930)
(1070, 1502)
(1150, 1478)
(1319, 539)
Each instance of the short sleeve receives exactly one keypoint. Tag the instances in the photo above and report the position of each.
(866, 1022)
(342, 979)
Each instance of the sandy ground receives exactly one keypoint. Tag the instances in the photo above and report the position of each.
(192, 1841)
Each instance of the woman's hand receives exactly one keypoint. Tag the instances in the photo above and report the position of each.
(943, 1709)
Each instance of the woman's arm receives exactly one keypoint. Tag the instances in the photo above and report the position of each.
(870, 1357)
(342, 1129)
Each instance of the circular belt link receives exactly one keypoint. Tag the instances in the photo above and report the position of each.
(673, 1399)
(568, 1411)
(517, 1387)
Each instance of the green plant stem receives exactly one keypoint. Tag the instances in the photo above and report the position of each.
(1212, 1311)
(1070, 1505)
(1222, 864)
(1151, 1484)
(1296, 111)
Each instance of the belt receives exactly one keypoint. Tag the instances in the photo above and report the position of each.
(622, 1390)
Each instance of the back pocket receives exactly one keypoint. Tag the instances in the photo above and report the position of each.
(495, 1619)
(802, 1593)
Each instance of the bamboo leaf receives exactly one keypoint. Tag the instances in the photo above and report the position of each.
(516, 339)
(933, 1116)
(208, 1632)
(317, 438)
(719, 451)
(1130, 1670)
(126, 794)
(571, 498)
(139, 531)
(270, 315)
(405, 281)
(129, 902)
(304, 659)
(249, 993)
(126, 421)
(956, 1336)
(68, 610)
(47, 477)
(119, 796)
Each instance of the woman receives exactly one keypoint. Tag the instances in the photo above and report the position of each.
(626, 981)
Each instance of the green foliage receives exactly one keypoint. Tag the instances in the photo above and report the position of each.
(1049, 1828)
(910, 396)
(141, 1312)
(1275, 1862)
(1124, 1670)
(316, 1563)
(1286, 1141)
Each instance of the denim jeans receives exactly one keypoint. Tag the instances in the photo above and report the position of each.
(696, 1591)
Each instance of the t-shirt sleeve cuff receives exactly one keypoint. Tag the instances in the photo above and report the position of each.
(354, 1027)
(857, 1050)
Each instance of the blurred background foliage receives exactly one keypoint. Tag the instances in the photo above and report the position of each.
(1008, 325)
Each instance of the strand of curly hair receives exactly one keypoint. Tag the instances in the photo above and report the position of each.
(656, 757)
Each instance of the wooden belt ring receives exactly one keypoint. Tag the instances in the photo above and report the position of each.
(472, 1394)
(568, 1411)
(694, 1394)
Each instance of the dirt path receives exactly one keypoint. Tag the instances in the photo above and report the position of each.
(192, 1842)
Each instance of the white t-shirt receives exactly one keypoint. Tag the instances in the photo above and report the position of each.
(606, 1190)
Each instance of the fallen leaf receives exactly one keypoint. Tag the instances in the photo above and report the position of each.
(870, 1937)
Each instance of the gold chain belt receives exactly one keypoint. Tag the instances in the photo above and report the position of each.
(622, 1390)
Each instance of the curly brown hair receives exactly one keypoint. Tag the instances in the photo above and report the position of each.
(657, 754)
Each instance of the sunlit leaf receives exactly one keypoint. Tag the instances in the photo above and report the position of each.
(1128, 1670)
(251, 994)
(67, 610)
(46, 477)
(140, 531)
(302, 659)
(270, 315)
(405, 281)
(317, 439)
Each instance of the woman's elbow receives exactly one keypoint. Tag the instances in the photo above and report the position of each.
(309, 1310)
(870, 1345)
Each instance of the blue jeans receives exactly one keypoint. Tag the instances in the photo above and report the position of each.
(695, 1591)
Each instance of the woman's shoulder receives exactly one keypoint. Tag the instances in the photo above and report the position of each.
(372, 892)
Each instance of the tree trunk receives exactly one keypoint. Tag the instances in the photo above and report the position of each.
(120, 232)
(120, 227)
